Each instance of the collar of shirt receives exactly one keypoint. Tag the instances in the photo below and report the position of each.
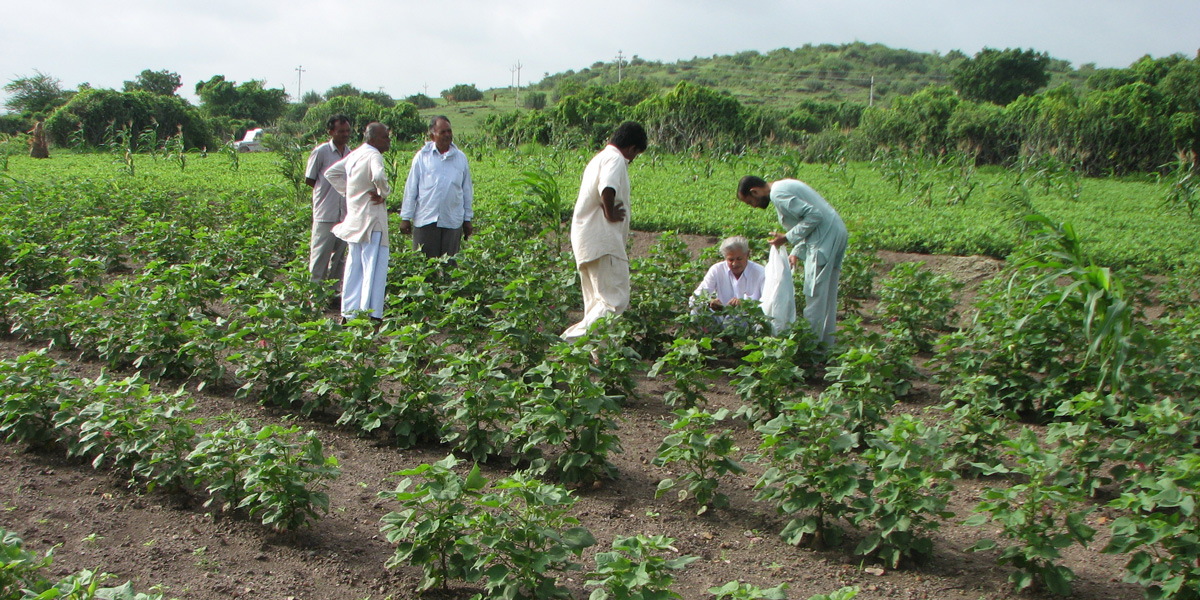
(431, 148)
(334, 147)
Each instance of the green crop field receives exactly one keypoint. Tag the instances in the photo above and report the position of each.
(1055, 433)
(1122, 222)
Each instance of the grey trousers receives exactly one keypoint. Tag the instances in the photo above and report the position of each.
(326, 253)
(437, 241)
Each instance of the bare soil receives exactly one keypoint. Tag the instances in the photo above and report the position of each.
(98, 523)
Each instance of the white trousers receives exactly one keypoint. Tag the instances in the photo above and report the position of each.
(820, 307)
(366, 278)
(326, 253)
(605, 284)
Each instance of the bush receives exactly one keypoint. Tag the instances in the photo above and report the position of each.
(463, 92)
(12, 124)
(691, 115)
(917, 304)
(535, 100)
(96, 114)
(918, 122)
(517, 128)
(421, 101)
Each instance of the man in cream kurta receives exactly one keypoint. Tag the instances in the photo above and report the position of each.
(361, 178)
(819, 239)
(600, 228)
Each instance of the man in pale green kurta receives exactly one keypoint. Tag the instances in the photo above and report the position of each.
(818, 237)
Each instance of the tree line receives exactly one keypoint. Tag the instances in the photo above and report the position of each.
(997, 107)
(148, 105)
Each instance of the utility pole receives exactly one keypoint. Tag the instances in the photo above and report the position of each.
(518, 68)
(425, 86)
(299, 90)
(871, 101)
(620, 58)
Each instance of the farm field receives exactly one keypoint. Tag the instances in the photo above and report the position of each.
(900, 203)
(194, 278)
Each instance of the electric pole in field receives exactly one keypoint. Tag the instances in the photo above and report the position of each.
(299, 90)
(518, 69)
(871, 101)
(620, 59)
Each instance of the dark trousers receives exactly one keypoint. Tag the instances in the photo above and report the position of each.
(437, 241)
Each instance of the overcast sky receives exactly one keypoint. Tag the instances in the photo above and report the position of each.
(404, 47)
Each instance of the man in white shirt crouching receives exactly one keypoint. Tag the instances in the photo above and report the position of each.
(734, 279)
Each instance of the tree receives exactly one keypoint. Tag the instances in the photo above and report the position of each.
(1002, 76)
(1182, 85)
(163, 83)
(535, 100)
(381, 98)
(403, 119)
(1110, 79)
(691, 115)
(920, 121)
(93, 116)
(421, 101)
(311, 97)
(344, 89)
(359, 110)
(631, 91)
(463, 92)
(250, 100)
(37, 93)
(592, 114)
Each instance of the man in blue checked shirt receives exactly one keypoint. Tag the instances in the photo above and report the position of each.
(438, 194)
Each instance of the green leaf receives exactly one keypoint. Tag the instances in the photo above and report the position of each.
(578, 538)
(475, 480)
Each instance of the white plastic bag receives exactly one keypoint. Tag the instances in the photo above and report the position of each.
(779, 292)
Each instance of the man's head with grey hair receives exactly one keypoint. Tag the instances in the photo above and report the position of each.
(378, 135)
(736, 252)
(737, 243)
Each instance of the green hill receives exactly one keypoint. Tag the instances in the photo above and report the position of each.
(855, 72)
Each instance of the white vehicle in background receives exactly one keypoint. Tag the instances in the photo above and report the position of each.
(252, 142)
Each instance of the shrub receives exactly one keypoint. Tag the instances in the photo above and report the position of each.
(534, 100)
(93, 111)
(421, 101)
(1038, 516)
(917, 304)
(636, 569)
(705, 456)
(463, 92)
(437, 527)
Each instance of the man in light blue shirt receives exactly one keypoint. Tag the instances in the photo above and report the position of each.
(438, 194)
(818, 236)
